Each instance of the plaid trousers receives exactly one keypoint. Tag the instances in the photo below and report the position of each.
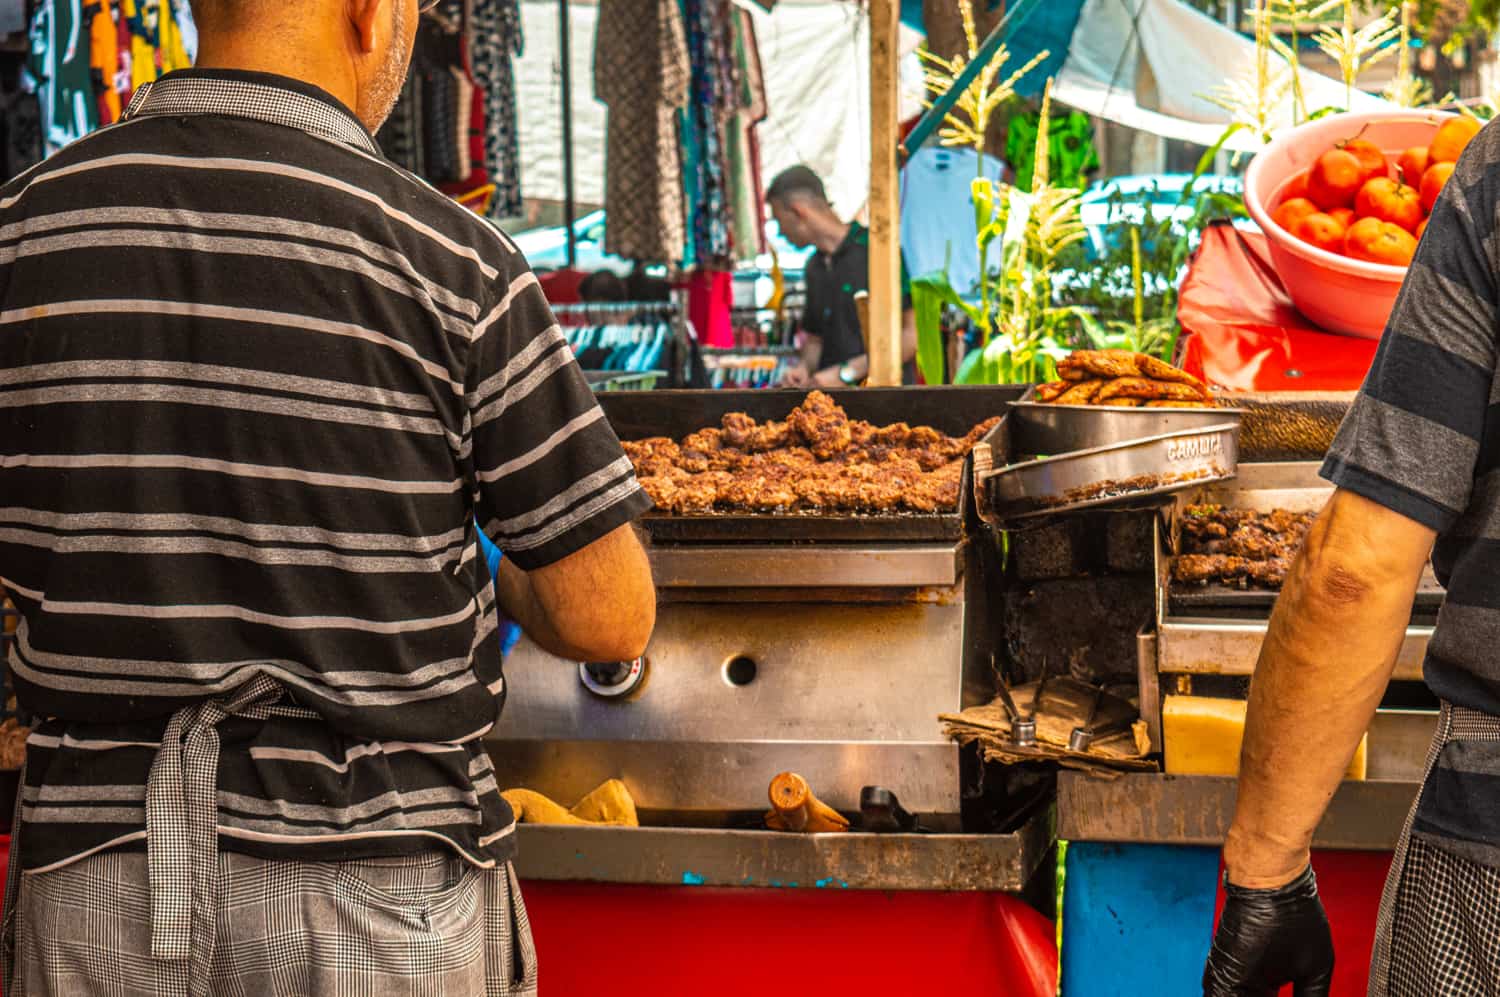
(427, 925)
(1438, 934)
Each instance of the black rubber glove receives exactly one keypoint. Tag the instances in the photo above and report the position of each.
(1268, 938)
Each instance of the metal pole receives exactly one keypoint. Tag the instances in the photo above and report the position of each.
(883, 330)
(564, 47)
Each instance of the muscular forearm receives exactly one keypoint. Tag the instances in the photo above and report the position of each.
(1327, 658)
(598, 604)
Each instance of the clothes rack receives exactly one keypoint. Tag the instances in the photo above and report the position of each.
(615, 338)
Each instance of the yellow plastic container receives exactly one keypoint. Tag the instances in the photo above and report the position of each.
(1201, 735)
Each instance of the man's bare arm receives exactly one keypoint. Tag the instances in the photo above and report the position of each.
(598, 604)
(1327, 658)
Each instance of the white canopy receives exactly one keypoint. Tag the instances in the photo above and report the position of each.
(1148, 64)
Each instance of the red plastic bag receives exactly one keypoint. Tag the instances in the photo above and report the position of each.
(1243, 333)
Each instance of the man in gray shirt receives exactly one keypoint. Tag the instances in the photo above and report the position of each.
(1417, 470)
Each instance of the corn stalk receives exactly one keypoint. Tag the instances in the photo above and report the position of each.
(968, 122)
(1406, 89)
(1253, 98)
(1357, 50)
(1296, 15)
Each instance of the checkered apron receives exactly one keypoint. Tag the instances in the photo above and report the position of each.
(1438, 932)
(185, 919)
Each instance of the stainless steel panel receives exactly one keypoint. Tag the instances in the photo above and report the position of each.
(823, 672)
(1232, 647)
(1039, 428)
(678, 857)
(1196, 810)
(1398, 744)
(1148, 681)
(823, 566)
(699, 782)
(847, 695)
(1291, 485)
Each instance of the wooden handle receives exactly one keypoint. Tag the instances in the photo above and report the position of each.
(795, 808)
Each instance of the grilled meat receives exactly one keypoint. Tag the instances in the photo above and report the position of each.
(1082, 393)
(1105, 364)
(818, 459)
(1140, 387)
(1238, 546)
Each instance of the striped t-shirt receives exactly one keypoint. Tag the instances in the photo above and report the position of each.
(256, 383)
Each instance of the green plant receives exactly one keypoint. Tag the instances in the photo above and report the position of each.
(1355, 50)
(1406, 88)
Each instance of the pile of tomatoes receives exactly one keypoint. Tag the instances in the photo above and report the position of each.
(1355, 202)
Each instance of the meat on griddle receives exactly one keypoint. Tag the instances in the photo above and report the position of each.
(1239, 546)
(817, 460)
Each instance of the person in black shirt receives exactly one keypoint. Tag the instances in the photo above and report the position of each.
(834, 352)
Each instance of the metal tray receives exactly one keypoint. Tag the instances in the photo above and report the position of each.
(1108, 475)
(1039, 428)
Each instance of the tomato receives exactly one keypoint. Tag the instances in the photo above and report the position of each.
(1454, 135)
(1375, 241)
(1321, 230)
(1293, 211)
(1334, 180)
(1344, 216)
(1412, 164)
(1432, 183)
(1372, 161)
(1295, 187)
(1389, 201)
(1421, 229)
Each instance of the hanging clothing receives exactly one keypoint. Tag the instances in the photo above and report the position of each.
(645, 87)
(104, 58)
(156, 41)
(21, 119)
(937, 214)
(712, 106)
(747, 206)
(495, 38)
(400, 137)
(1070, 141)
(63, 72)
(710, 301)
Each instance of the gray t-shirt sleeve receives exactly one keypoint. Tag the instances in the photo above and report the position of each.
(1412, 441)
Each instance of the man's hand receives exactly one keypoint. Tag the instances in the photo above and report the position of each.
(1269, 938)
(796, 376)
(828, 377)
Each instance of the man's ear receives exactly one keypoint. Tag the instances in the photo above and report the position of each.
(364, 17)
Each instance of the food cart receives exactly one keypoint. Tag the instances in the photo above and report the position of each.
(825, 644)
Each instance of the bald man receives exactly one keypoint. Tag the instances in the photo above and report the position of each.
(260, 391)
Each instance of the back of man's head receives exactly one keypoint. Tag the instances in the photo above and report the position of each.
(357, 50)
(797, 181)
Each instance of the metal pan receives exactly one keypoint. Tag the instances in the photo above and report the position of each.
(1038, 428)
(1109, 475)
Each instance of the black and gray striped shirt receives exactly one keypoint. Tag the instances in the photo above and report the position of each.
(256, 383)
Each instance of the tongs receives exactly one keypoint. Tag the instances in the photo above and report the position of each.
(1096, 727)
(1022, 728)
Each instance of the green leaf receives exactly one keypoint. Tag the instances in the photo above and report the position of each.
(971, 370)
(929, 293)
(1324, 112)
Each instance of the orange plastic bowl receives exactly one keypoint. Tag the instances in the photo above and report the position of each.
(1340, 294)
